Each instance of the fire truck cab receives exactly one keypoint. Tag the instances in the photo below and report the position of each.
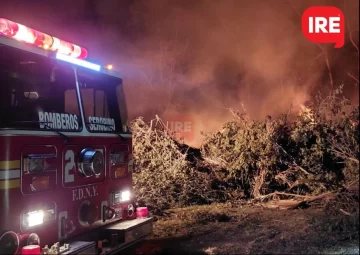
(65, 150)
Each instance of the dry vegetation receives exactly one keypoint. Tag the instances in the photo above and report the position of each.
(284, 163)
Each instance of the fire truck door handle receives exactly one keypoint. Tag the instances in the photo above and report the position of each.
(67, 227)
(72, 227)
(63, 224)
(106, 216)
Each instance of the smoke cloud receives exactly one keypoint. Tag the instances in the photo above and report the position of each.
(199, 58)
(239, 54)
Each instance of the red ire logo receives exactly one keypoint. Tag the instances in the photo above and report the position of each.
(324, 24)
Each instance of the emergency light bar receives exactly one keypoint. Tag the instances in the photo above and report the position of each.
(31, 36)
(78, 62)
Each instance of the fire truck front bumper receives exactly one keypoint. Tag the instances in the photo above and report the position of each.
(111, 239)
(124, 234)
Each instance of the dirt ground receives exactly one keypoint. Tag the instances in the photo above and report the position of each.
(250, 229)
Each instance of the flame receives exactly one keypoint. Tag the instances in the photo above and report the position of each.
(304, 109)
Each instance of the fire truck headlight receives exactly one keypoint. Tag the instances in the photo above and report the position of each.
(35, 218)
(125, 196)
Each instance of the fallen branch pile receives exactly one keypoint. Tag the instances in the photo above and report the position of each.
(163, 177)
(277, 163)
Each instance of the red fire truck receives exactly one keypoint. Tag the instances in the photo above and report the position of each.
(65, 150)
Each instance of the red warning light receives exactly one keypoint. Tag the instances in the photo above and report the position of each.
(8, 28)
(22, 33)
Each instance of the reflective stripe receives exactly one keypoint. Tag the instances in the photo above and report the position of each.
(9, 170)
(10, 184)
(9, 174)
(11, 164)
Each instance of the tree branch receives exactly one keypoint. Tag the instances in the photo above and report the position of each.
(352, 76)
(355, 46)
(327, 61)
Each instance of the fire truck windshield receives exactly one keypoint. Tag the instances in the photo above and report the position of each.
(100, 100)
(35, 90)
(39, 93)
